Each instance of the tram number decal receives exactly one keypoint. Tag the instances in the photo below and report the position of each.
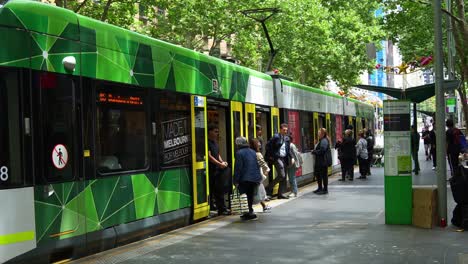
(4, 173)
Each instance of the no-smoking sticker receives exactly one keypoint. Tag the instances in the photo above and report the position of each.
(60, 156)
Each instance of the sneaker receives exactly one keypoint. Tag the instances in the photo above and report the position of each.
(433, 168)
(291, 195)
(267, 209)
(341, 179)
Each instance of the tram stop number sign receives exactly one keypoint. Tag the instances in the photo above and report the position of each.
(60, 156)
(451, 104)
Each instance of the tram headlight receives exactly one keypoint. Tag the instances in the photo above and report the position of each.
(69, 63)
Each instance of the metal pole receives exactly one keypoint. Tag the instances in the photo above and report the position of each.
(440, 115)
(450, 54)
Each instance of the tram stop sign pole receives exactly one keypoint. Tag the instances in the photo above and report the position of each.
(397, 166)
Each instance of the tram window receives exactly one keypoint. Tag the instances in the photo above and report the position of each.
(200, 129)
(10, 167)
(237, 124)
(250, 117)
(333, 130)
(306, 131)
(174, 115)
(275, 124)
(122, 134)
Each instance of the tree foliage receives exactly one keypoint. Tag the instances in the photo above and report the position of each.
(410, 24)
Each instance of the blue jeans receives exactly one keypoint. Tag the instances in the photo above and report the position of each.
(292, 178)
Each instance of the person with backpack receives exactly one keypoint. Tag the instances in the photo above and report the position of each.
(455, 143)
(370, 150)
(277, 152)
(323, 160)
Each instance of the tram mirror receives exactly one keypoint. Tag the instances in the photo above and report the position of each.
(69, 63)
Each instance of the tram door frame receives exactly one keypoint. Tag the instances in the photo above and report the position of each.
(201, 209)
(236, 108)
(358, 124)
(328, 128)
(275, 126)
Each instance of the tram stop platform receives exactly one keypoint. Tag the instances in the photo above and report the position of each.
(345, 226)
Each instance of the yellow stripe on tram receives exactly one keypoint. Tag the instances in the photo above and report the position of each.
(16, 237)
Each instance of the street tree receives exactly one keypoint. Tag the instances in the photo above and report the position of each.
(410, 25)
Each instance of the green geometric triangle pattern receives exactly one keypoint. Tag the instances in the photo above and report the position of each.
(144, 194)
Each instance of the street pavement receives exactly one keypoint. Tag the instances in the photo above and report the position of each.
(345, 226)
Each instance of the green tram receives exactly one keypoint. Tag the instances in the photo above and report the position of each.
(103, 132)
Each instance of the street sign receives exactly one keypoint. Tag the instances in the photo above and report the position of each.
(451, 104)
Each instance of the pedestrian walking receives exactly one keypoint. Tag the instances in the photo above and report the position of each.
(361, 153)
(427, 142)
(415, 148)
(277, 152)
(323, 160)
(264, 170)
(294, 164)
(347, 155)
(246, 174)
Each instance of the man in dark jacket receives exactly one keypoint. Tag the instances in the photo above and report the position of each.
(347, 155)
(247, 175)
(453, 145)
(277, 152)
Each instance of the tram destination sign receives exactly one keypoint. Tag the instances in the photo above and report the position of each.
(176, 140)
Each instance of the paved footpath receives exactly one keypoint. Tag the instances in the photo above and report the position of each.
(345, 226)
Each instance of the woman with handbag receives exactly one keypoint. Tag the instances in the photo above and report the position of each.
(264, 170)
(323, 160)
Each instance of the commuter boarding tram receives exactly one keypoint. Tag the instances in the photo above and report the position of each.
(103, 132)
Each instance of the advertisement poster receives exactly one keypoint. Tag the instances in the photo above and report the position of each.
(176, 139)
(295, 130)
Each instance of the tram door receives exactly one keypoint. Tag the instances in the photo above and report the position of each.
(201, 207)
(58, 136)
